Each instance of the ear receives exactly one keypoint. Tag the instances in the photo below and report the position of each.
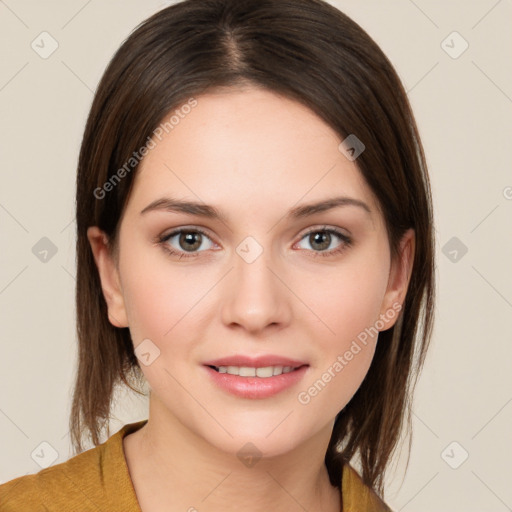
(109, 276)
(398, 281)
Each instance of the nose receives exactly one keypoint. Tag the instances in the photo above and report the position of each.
(256, 297)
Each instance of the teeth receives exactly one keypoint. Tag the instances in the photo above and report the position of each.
(233, 370)
(246, 371)
(278, 370)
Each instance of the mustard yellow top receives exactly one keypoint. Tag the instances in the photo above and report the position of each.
(98, 480)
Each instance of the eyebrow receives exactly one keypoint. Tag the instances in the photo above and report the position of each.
(204, 210)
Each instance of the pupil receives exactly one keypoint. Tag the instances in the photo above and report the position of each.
(189, 239)
(321, 236)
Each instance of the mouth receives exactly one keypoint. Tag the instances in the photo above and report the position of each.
(255, 378)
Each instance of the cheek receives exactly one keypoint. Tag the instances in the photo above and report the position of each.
(159, 299)
(348, 302)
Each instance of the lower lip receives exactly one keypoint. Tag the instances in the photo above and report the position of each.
(256, 387)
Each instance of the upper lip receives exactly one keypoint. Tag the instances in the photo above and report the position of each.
(255, 362)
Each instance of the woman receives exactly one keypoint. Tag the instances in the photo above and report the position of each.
(254, 241)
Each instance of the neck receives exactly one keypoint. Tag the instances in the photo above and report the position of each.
(171, 466)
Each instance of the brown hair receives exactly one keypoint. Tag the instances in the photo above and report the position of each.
(308, 51)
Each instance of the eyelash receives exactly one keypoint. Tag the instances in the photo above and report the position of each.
(346, 242)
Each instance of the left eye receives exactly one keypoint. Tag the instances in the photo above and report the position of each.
(321, 239)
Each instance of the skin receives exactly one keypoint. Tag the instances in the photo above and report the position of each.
(254, 155)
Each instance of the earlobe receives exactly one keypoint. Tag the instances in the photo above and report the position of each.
(109, 276)
(398, 282)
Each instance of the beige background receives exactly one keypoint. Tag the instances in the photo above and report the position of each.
(463, 107)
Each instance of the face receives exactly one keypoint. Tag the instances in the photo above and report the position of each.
(264, 277)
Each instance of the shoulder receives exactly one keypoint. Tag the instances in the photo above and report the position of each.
(93, 480)
(56, 486)
(357, 496)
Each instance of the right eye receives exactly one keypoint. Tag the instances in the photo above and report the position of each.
(186, 243)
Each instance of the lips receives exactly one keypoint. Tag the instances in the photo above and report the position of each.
(255, 377)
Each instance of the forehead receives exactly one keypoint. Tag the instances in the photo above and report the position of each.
(247, 149)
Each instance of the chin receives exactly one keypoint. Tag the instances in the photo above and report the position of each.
(250, 449)
(261, 438)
